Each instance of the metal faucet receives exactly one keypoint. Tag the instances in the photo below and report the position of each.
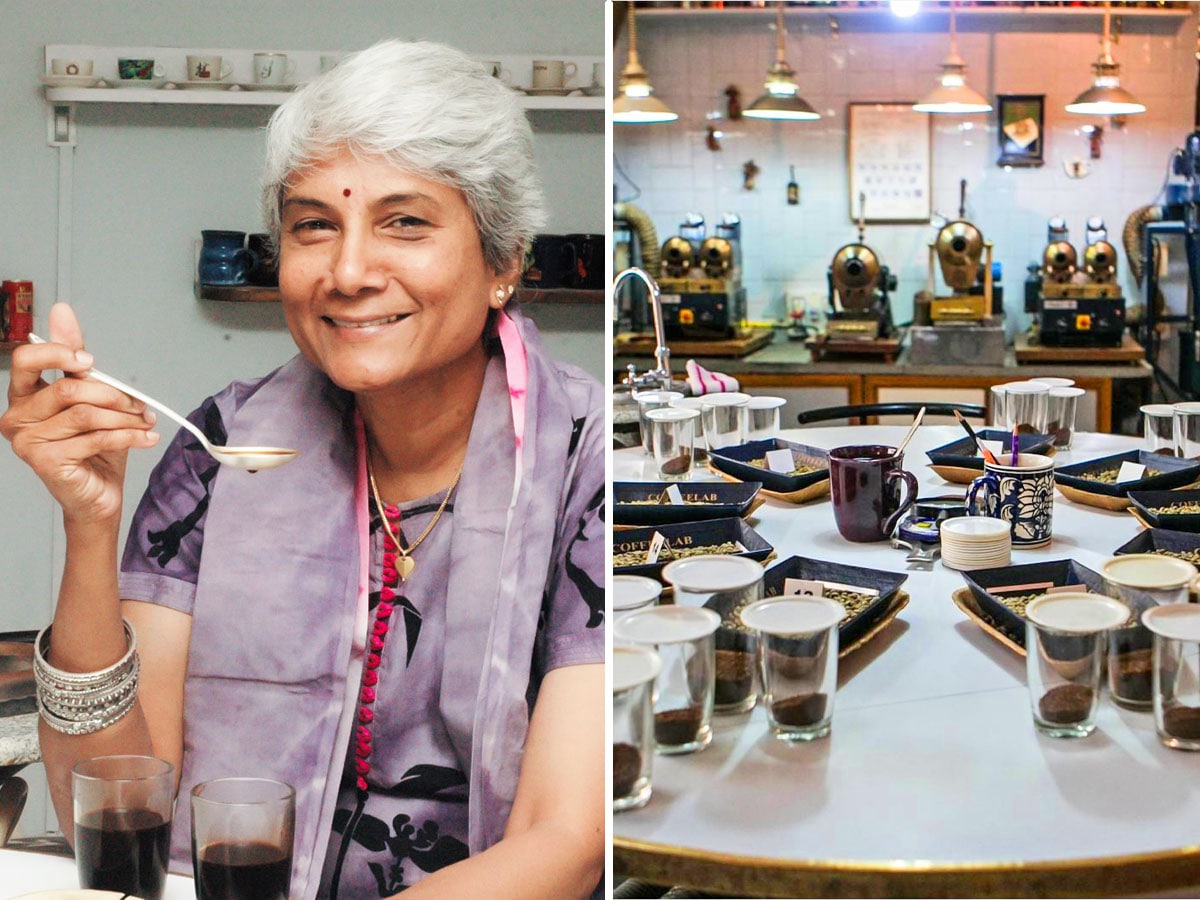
(660, 375)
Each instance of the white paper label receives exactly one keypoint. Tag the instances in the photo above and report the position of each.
(804, 587)
(781, 460)
(1130, 471)
(673, 494)
(656, 544)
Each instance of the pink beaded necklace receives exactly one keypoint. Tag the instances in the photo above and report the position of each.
(394, 556)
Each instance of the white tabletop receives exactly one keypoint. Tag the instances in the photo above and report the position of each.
(25, 873)
(933, 770)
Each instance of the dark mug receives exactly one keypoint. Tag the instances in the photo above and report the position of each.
(224, 258)
(588, 270)
(265, 271)
(551, 259)
(865, 483)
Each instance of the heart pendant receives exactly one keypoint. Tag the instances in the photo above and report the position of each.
(405, 565)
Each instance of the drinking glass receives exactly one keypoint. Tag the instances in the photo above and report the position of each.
(1053, 381)
(1176, 673)
(1158, 427)
(997, 410)
(646, 401)
(683, 691)
(242, 830)
(1187, 430)
(633, 672)
(700, 450)
(797, 662)
(1025, 406)
(723, 584)
(633, 592)
(724, 417)
(1064, 647)
(672, 441)
(123, 810)
(762, 418)
(1061, 405)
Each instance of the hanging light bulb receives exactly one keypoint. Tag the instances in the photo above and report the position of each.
(1106, 97)
(952, 95)
(634, 104)
(781, 99)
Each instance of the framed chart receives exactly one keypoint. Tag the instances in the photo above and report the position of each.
(889, 162)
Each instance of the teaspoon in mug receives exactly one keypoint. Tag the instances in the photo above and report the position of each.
(253, 458)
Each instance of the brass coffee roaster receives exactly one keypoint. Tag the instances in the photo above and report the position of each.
(958, 249)
(1073, 306)
(859, 285)
(701, 281)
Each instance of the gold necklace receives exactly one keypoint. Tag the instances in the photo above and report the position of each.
(404, 561)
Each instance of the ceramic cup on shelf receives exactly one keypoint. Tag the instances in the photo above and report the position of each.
(71, 66)
(552, 74)
(497, 69)
(273, 68)
(130, 69)
(207, 67)
(224, 258)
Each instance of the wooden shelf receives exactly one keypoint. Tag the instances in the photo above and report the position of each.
(252, 294)
(853, 10)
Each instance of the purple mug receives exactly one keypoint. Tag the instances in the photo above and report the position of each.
(865, 482)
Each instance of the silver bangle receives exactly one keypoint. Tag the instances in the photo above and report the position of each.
(85, 702)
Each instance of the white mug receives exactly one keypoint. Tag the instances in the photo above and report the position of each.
(496, 69)
(207, 68)
(598, 74)
(80, 67)
(550, 74)
(329, 61)
(273, 68)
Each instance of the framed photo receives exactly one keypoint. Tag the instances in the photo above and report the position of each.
(889, 162)
(1022, 130)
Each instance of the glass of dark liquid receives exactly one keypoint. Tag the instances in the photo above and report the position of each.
(123, 823)
(242, 832)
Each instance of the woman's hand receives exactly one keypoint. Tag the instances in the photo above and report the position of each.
(75, 433)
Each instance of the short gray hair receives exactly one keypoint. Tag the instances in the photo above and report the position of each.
(433, 111)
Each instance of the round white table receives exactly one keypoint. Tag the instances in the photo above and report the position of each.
(26, 873)
(933, 781)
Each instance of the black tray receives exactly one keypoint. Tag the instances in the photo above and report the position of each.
(1175, 473)
(851, 629)
(735, 461)
(1155, 540)
(1058, 572)
(1148, 500)
(961, 453)
(714, 531)
(721, 499)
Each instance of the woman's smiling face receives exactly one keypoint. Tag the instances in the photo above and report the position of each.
(382, 274)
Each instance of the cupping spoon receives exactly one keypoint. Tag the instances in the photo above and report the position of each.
(253, 458)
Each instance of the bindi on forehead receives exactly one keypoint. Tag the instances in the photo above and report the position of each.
(346, 192)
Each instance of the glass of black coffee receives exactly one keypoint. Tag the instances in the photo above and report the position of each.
(242, 832)
(123, 823)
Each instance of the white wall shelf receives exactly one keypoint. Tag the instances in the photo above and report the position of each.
(306, 66)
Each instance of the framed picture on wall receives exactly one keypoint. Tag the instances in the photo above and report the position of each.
(889, 162)
(1021, 131)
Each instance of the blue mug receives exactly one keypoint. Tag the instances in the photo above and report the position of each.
(1022, 495)
(224, 258)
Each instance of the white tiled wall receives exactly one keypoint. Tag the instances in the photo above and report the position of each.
(876, 57)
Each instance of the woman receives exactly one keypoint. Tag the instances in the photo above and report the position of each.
(404, 623)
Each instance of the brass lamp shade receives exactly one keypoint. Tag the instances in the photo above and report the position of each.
(634, 103)
(1106, 97)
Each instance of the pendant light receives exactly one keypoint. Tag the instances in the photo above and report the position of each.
(1106, 97)
(781, 99)
(634, 104)
(952, 95)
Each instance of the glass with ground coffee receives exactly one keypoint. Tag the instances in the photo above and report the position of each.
(1176, 632)
(1141, 581)
(1064, 649)
(633, 672)
(797, 662)
(672, 441)
(683, 690)
(724, 584)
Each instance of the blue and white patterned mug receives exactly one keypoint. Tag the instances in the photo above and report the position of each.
(1022, 495)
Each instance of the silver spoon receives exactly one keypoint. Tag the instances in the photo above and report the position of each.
(911, 431)
(239, 457)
